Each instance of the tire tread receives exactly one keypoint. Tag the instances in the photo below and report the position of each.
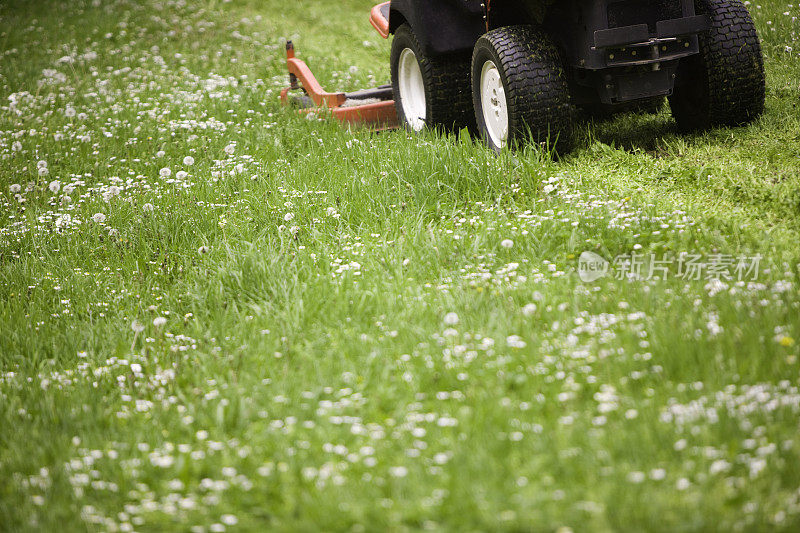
(536, 87)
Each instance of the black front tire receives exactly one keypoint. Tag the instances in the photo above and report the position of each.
(448, 99)
(724, 84)
(535, 86)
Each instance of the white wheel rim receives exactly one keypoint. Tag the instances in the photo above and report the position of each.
(494, 105)
(412, 90)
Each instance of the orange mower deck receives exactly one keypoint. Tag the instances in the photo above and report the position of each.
(371, 108)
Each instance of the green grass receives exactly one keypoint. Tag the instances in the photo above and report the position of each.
(308, 374)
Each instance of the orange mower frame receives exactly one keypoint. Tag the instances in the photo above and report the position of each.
(372, 108)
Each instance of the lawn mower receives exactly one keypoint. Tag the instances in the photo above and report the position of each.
(514, 70)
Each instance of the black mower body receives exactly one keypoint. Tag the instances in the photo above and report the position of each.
(614, 51)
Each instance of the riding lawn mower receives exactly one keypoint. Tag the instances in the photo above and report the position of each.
(514, 70)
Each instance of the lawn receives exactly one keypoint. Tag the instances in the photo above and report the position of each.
(216, 314)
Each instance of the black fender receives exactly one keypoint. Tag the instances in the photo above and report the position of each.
(441, 26)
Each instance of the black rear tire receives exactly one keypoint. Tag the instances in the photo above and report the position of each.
(448, 99)
(724, 84)
(534, 83)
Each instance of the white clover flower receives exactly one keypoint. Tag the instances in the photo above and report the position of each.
(159, 321)
(54, 186)
(718, 466)
(636, 477)
(529, 309)
(294, 230)
(137, 326)
(165, 172)
(507, 243)
(16, 146)
(288, 217)
(230, 149)
(398, 471)
(229, 520)
(188, 160)
(136, 368)
(147, 208)
(330, 211)
(515, 341)
(441, 458)
(69, 112)
(63, 220)
(160, 153)
(451, 319)
(99, 218)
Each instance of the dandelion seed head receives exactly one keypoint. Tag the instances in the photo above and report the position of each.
(451, 319)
